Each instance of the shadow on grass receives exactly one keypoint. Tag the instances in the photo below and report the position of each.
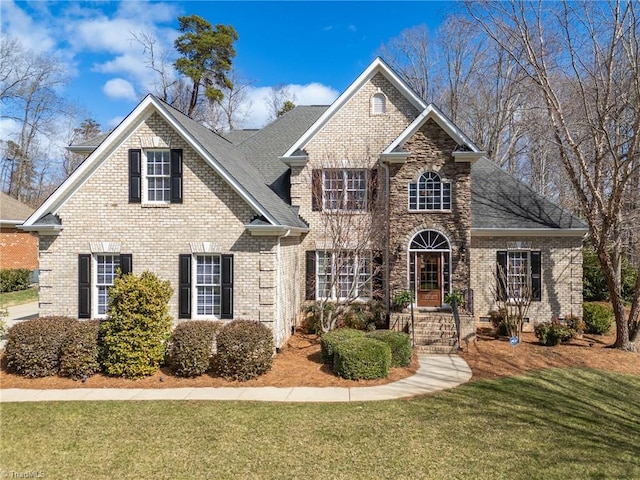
(599, 411)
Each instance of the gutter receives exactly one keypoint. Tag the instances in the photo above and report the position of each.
(386, 240)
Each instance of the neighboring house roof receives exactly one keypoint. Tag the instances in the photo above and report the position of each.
(89, 145)
(500, 203)
(377, 66)
(12, 211)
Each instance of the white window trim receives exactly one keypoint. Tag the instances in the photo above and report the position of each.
(194, 290)
(373, 104)
(145, 177)
(332, 294)
(443, 181)
(95, 307)
(344, 190)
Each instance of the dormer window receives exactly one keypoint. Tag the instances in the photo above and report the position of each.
(430, 192)
(378, 104)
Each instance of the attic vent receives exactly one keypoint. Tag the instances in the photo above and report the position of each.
(378, 104)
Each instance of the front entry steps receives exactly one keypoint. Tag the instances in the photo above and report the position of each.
(434, 332)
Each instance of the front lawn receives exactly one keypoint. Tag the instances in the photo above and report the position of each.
(556, 423)
(9, 299)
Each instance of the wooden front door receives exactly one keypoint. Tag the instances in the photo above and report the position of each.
(429, 283)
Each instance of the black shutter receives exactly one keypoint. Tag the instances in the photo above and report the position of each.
(373, 188)
(184, 286)
(226, 307)
(501, 274)
(310, 275)
(135, 176)
(84, 285)
(536, 276)
(316, 190)
(126, 263)
(176, 176)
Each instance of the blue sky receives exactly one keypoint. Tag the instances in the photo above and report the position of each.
(317, 48)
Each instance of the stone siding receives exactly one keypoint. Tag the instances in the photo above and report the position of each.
(430, 149)
(561, 276)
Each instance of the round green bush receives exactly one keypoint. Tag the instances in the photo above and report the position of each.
(33, 346)
(597, 318)
(331, 339)
(362, 359)
(191, 347)
(244, 350)
(133, 337)
(552, 333)
(400, 344)
(79, 352)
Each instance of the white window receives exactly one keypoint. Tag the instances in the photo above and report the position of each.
(106, 268)
(158, 176)
(208, 285)
(518, 285)
(343, 275)
(378, 104)
(430, 193)
(344, 190)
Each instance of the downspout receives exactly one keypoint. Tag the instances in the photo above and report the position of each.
(387, 235)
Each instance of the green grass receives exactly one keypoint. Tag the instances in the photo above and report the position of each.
(555, 424)
(10, 299)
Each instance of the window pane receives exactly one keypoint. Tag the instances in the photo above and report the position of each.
(208, 287)
(518, 274)
(106, 268)
(158, 176)
(344, 190)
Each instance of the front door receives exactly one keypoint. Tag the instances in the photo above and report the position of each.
(429, 291)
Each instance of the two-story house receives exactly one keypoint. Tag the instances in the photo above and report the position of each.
(247, 225)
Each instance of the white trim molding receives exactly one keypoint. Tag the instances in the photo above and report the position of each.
(529, 232)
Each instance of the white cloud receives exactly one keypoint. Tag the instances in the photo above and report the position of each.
(120, 89)
(260, 112)
(17, 24)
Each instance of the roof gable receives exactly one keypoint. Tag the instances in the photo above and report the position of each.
(378, 66)
(431, 112)
(220, 154)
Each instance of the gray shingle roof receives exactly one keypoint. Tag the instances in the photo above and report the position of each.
(499, 201)
(12, 210)
(232, 160)
(264, 147)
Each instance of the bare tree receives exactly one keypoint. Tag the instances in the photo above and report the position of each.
(349, 235)
(28, 84)
(233, 108)
(513, 297)
(276, 99)
(584, 61)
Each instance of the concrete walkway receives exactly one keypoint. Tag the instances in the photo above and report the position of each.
(435, 372)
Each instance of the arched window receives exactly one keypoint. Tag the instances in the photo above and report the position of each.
(430, 193)
(378, 104)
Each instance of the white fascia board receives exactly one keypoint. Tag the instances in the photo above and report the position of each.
(274, 231)
(295, 160)
(42, 229)
(219, 169)
(394, 157)
(80, 149)
(529, 232)
(432, 112)
(377, 66)
(82, 173)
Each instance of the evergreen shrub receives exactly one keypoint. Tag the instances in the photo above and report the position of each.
(244, 350)
(362, 359)
(191, 347)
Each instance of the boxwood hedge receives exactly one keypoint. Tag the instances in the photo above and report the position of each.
(362, 358)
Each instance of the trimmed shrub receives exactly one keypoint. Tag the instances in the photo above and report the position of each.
(597, 318)
(331, 339)
(134, 335)
(191, 347)
(33, 347)
(362, 359)
(400, 344)
(552, 333)
(575, 324)
(79, 352)
(14, 279)
(244, 350)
